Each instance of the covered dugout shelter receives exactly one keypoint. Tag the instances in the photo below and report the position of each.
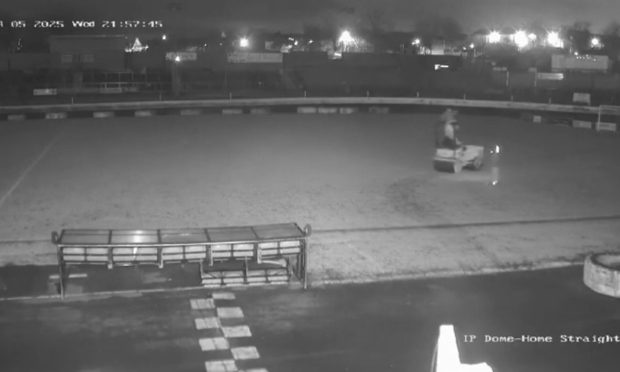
(227, 255)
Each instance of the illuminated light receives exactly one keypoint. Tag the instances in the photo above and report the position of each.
(310, 41)
(553, 39)
(296, 43)
(494, 37)
(177, 59)
(164, 37)
(346, 38)
(471, 46)
(521, 39)
(416, 41)
(244, 42)
(595, 42)
(137, 47)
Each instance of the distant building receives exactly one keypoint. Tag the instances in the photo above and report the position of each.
(480, 37)
(443, 47)
(88, 52)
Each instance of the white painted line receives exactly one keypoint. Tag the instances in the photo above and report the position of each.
(16, 117)
(237, 331)
(215, 343)
(103, 114)
(582, 124)
(608, 127)
(207, 323)
(27, 170)
(71, 276)
(143, 113)
(254, 370)
(227, 365)
(245, 352)
(223, 296)
(260, 110)
(55, 115)
(202, 303)
(379, 110)
(347, 110)
(229, 312)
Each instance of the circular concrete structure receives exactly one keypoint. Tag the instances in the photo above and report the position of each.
(601, 273)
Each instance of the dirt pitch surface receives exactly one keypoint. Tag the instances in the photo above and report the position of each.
(364, 182)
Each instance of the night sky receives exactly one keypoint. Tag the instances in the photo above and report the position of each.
(289, 15)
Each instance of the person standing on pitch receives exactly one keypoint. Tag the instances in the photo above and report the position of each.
(445, 132)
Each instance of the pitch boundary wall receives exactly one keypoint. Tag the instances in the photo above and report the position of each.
(578, 116)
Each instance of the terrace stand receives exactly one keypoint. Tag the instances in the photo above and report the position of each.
(227, 255)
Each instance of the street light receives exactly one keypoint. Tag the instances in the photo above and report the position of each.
(595, 42)
(244, 42)
(553, 39)
(346, 38)
(494, 37)
(521, 39)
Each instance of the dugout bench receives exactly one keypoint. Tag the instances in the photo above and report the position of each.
(240, 255)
